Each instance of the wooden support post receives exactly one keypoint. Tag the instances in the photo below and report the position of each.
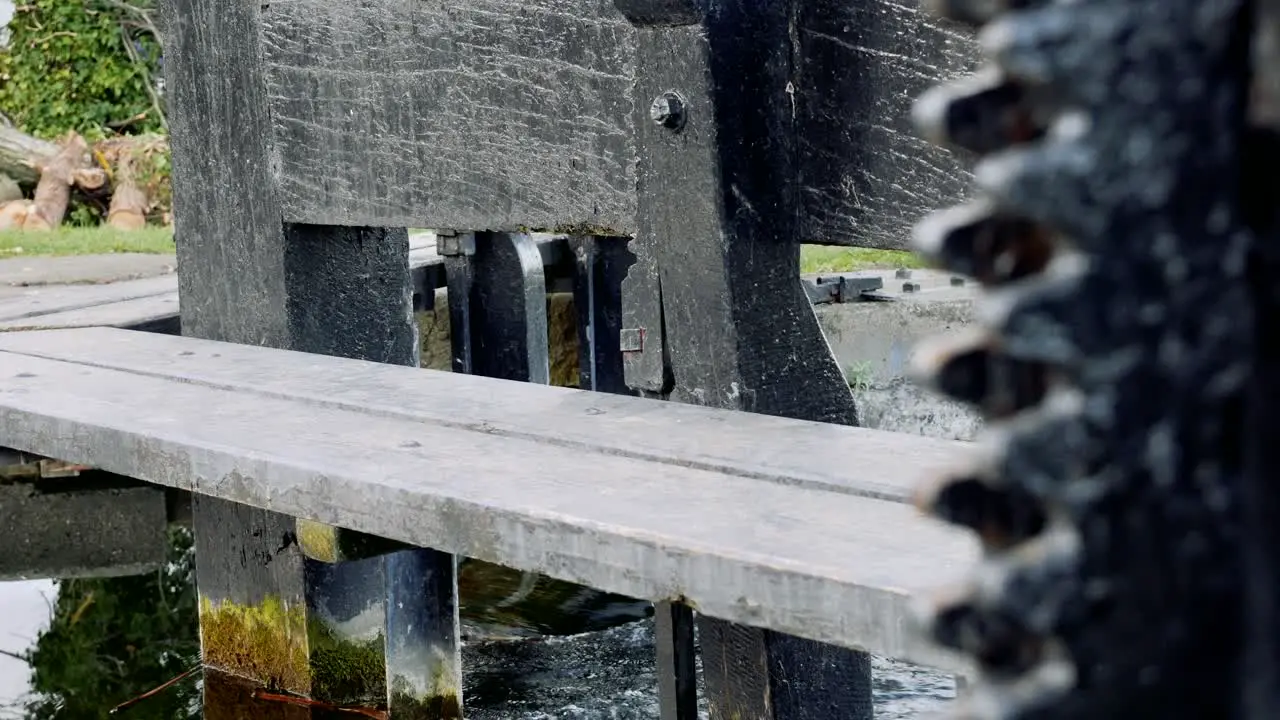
(246, 277)
(714, 117)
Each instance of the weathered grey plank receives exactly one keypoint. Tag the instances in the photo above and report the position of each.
(474, 115)
(145, 304)
(491, 115)
(828, 566)
(855, 461)
(124, 314)
(51, 299)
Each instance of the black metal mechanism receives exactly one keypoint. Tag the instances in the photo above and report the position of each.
(1114, 360)
(842, 288)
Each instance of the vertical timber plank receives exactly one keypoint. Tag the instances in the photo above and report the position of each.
(267, 617)
(714, 122)
(248, 569)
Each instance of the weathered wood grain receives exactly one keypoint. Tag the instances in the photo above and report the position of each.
(148, 312)
(152, 304)
(848, 460)
(829, 566)
(51, 299)
(865, 175)
(474, 115)
(492, 115)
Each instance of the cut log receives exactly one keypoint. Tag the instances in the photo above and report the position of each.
(13, 214)
(129, 202)
(20, 154)
(72, 164)
(9, 189)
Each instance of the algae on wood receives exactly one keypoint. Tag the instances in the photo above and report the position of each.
(268, 641)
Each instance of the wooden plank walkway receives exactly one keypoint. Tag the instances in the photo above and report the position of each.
(777, 523)
(145, 304)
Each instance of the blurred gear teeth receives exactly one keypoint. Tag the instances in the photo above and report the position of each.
(972, 367)
(1033, 46)
(1039, 318)
(1106, 235)
(1000, 516)
(1006, 613)
(999, 643)
(976, 240)
(984, 113)
(1048, 183)
(1041, 449)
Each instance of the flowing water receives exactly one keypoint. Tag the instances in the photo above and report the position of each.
(89, 644)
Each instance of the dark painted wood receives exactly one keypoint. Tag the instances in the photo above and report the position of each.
(485, 115)
(246, 277)
(673, 631)
(470, 114)
(646, 365)
(738, 326)
(865, 175)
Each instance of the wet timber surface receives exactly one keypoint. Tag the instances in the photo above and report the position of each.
(79, 648)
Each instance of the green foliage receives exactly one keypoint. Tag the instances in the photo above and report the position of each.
(83, 65)
(113, 639)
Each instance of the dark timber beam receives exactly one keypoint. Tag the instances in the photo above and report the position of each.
(715, 120)
(246, 277)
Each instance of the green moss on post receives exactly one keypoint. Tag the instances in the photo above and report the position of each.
(267, 641)
(440, 701)
(329, 544)
(347, 671)
(441, 707)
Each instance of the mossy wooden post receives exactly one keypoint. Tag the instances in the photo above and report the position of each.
(715, 127)
(268, 617)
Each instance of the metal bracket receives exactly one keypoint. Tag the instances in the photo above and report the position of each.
(842, 288)
(451, 244)
(535, 303)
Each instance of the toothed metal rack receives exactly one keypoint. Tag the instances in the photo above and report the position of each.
(1102, 163)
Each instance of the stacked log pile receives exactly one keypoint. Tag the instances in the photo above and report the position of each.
(112, 174)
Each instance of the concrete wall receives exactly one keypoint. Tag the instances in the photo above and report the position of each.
(873, 342)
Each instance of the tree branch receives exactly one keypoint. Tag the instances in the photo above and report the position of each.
(14, 655)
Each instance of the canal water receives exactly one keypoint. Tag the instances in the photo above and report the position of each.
(75, 649)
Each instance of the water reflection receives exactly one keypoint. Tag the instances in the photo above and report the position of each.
(24, 611)
(111, 640)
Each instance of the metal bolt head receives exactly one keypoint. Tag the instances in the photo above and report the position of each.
(668, 111)
(910, 287)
